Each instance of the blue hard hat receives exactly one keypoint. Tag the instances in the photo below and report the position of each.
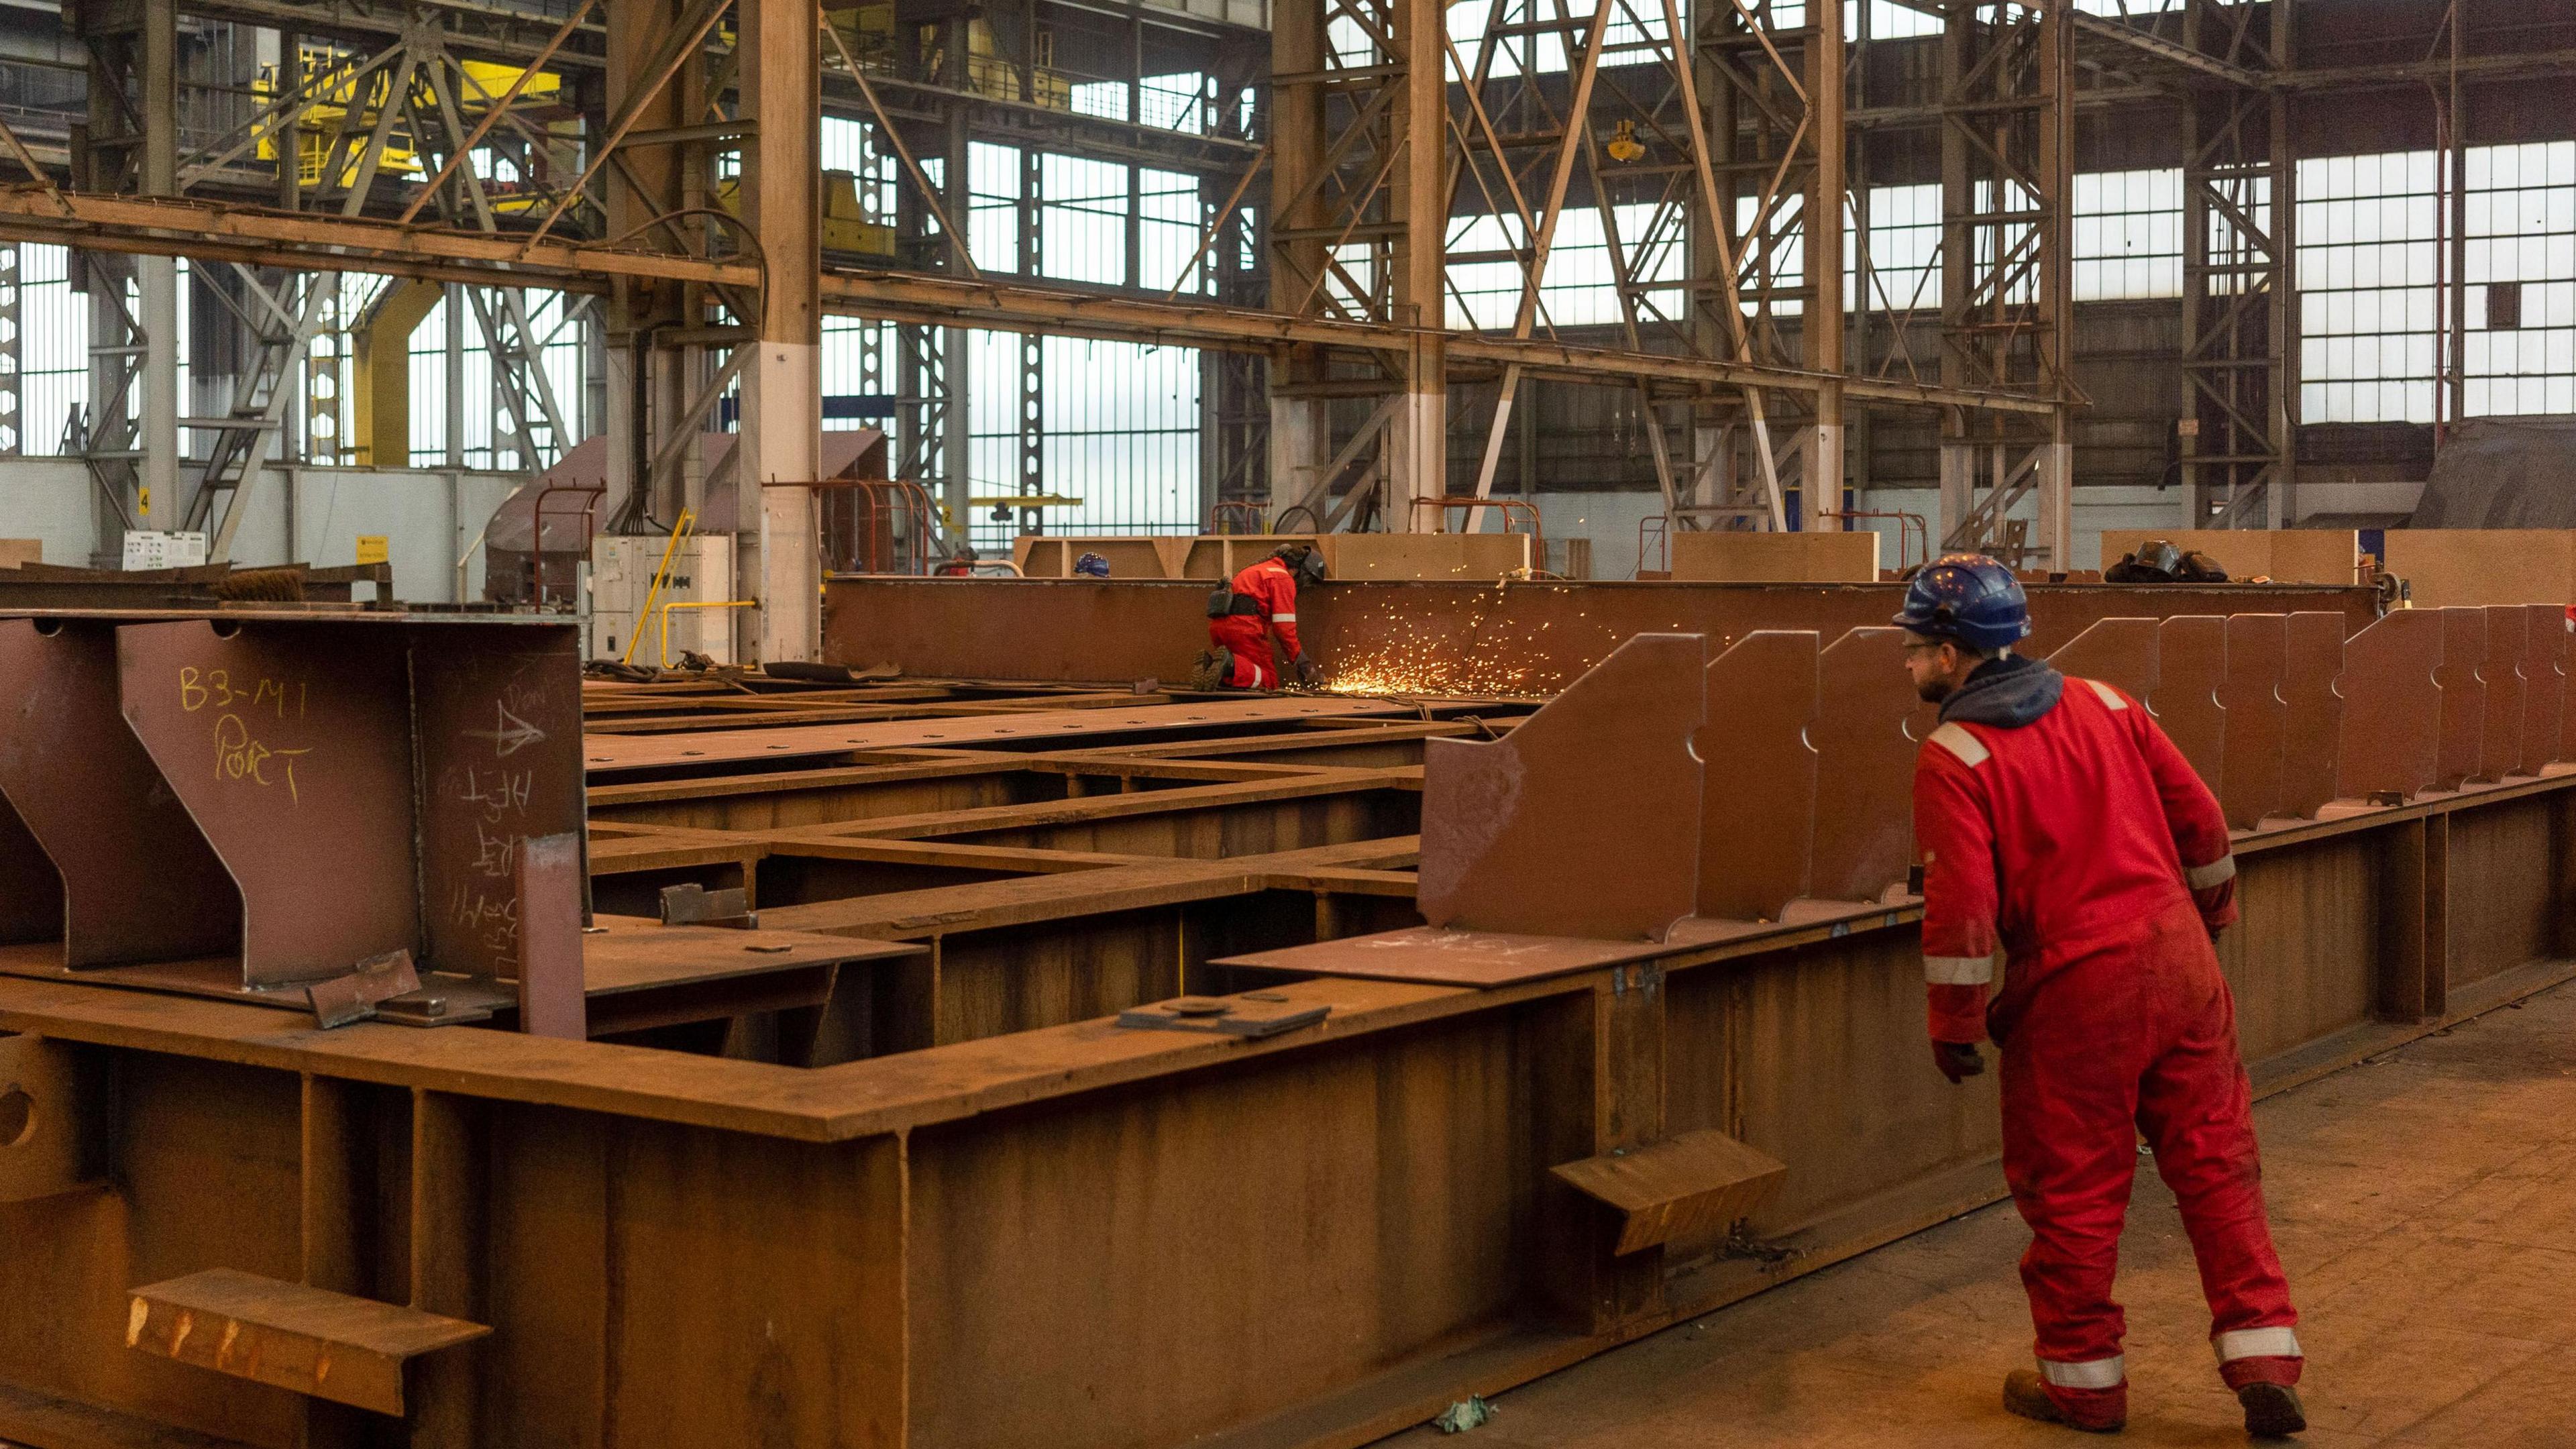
(1092, 564)
(1968, 597)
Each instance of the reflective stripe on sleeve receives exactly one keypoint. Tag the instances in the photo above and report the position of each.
(2202, 877)
(2101, 1373)
(2110, 697)
(1957, 740)
(2256, 1343)
(1958, 970)
(1283, 618)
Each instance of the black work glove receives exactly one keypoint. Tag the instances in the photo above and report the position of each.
(1307, 673)
(1958, 1060)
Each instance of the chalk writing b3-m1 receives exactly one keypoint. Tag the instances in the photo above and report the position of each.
(214, 688)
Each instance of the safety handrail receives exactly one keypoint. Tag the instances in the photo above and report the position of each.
(687, 521)
(692, 604)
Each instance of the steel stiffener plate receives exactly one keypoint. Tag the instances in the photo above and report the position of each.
(140, 883)
(291, 748)
(1758, 776)
(1584, 820)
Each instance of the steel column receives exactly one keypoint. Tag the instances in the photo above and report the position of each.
(782, 389)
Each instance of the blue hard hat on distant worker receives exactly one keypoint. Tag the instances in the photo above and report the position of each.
(1092, 564)
(1968, 597)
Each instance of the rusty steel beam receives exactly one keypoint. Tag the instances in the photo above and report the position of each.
(864, 1194)
(1413, 638)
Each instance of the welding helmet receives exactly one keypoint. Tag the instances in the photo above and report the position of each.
(1304, 560)
(1970, 598)
(1092, 564)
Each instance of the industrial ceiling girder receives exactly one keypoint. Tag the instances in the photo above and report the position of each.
(157, 227)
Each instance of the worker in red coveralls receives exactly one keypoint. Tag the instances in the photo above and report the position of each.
(1243, 617)
(2061, 827)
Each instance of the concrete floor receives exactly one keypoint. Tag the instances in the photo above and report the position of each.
(2425, 1206)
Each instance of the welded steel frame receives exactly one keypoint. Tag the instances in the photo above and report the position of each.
(877, 1241)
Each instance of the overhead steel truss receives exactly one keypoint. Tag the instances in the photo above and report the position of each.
(1705, 166)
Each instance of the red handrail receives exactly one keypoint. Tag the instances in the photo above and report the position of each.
(892, 502)
(1219, 513)
(537, 537)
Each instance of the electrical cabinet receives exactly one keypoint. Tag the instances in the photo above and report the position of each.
(624, 605)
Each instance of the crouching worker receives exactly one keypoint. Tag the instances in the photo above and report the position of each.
(1246, 614)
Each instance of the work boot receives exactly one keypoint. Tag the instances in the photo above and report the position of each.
(1213, 666)
(2026, 1394)
(2272, 1411)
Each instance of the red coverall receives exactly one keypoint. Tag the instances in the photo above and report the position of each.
(1246, 637)
(2083, 845)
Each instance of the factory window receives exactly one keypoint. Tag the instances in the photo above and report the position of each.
(2366, 266)
(2128, 235)
(555, 325)
(1179, 101)
(1633, 35)
(1117, 430)
(1101, 98)
(53, 337)
(1633, 26)
(1171, 215)
(320, 388)
(1889, 21)
(1904, 251)
(2521, 278)
(1580, 289)
(1082, 219)
(859, 374)
(1774, 258)
(993, 187)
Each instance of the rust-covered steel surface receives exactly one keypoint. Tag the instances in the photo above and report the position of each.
(139, 881)
(1583, 821)
(2508, 641)
(2191, 670)
(293, 756)
(2313, 664)
(786, 744)
(2122, 652)
(1424, 638)
(2392, 687)
(296, 792)
(1865, 739)
(497, 723)
(875, 1174)
(1758, 786)
(2464, 696)
(2257, 717)
(1446, 956)
(31, 890)
(2544, 697)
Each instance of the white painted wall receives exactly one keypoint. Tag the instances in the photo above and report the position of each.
(428, 518)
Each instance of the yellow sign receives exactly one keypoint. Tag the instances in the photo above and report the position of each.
(371, 548)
